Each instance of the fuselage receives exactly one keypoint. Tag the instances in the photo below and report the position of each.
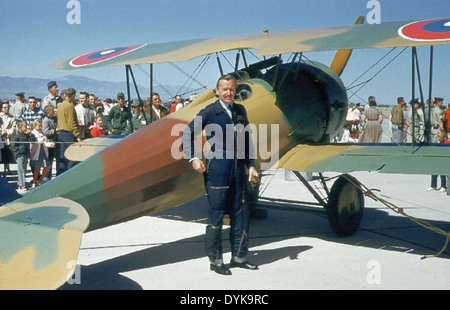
(140, 174)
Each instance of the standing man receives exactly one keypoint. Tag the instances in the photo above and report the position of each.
(7, 132)
(140, 117)
(397, 121)
(419, 120)
(225, 175)
(436, 120)
(85, 115)
(173, 107)
(33, 112)
(119, 117)
(19, 106)
(369, 101)
(68, 128)
(158, 110)
(52, 98)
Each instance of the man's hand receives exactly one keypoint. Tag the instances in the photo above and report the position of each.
(198, 165)
(253, 175)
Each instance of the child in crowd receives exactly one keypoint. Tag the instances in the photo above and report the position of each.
(98, 130)
(39, 152)
(21, 147)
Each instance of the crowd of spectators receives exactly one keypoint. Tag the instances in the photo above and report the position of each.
(36, 131)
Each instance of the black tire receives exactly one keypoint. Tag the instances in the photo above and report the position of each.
(345, 206)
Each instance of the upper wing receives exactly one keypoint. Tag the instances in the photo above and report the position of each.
(393, 34)
(383, 158)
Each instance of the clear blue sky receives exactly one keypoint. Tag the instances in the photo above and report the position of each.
(35, 33)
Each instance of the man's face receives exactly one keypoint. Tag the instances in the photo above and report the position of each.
(92, 100)
(226, 90)
(83, 99)
(120, 102)
(32, 104)
(439, 103)
(53, 90)
(156, 101)
(5, 109)
(137, 110)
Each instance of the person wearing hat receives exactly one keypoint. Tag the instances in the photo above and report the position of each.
(52, 98)
(119, 117)
(436, 120)
(140, 117)
(19, 106)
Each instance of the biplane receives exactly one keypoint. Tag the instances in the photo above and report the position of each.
(42, 231)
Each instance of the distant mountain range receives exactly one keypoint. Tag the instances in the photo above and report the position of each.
(103, 89)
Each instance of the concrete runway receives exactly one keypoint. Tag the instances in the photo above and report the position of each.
(294, 250)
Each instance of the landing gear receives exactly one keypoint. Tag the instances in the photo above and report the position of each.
(345, 206)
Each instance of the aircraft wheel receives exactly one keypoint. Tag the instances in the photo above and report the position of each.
(345, 206)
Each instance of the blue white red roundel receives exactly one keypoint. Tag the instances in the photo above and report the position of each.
(103, 55)
(427, 30)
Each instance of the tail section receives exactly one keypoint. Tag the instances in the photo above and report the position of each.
(40, 243)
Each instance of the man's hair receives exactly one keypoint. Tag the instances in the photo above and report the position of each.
(226, 77)
(84, 93)
(48, 108)
(400, 99)
(31, 97)
(70, 92)
(21, 124)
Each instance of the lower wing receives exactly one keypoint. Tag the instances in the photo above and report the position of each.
(383, 158)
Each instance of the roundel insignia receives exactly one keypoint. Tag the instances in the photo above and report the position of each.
(103, 55)
(427, 30)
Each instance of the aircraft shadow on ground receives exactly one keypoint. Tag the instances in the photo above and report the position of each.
(395, 234)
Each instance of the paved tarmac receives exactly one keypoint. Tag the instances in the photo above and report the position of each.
(294, 250)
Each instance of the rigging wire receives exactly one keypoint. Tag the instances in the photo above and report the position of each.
(376, 63)
(378, 72)
(157, 83)
(191, 77)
